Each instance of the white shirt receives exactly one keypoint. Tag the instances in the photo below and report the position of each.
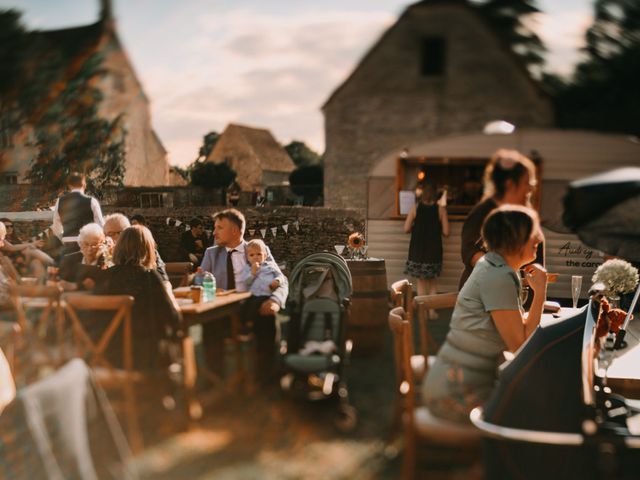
(56, 227)
(238, 260)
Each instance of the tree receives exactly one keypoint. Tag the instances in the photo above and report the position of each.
(308, 182)
(603, 93)
(212, 175)
(40, 88)
(70, 136)
(208, 142)
(508, 18)
(301, 154)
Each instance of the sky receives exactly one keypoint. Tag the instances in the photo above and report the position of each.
(264, 63)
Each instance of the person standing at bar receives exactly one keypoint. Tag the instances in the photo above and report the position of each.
(74, 210)
(509, 178)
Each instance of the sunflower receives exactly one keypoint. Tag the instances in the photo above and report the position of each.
(356, 240)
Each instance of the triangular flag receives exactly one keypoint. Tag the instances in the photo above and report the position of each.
(274, 231)
(296, 224)
(252, 231)
(207, 232)
(285, 227)
(263, 232)
(178, 223)
(168, 220)
(187, 228)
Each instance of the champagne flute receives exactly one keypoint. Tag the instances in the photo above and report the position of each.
(576, 286)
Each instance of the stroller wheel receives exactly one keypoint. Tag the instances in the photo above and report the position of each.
(346, 418)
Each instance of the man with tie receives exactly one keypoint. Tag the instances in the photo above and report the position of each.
(226, 260)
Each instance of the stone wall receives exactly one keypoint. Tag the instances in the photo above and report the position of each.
(318, 228)
(386, 104)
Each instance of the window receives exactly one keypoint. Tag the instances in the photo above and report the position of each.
(10, 178)
(432, 53)
(151, 200)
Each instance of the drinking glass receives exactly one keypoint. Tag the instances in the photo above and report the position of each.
(339, 249)
(576, 286)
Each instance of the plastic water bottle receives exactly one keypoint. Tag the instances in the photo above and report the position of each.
(209, 284)
(198, 278)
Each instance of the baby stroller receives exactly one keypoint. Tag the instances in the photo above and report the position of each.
(314, 349)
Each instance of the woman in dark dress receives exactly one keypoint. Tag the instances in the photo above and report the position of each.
(427, 222)
(155, 318)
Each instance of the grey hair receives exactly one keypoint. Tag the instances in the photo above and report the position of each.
(90, 230)
(118, 218)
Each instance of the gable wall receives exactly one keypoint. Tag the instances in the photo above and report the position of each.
(387, 104)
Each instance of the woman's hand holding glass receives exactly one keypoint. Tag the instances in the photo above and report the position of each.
(536, 276)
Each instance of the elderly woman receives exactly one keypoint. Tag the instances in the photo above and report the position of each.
(488, 317)
(508, 178)
(79, 270)
(155, 317)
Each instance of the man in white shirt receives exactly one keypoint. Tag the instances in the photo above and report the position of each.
(73, 211)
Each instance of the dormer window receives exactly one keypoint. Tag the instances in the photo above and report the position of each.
(432, 61)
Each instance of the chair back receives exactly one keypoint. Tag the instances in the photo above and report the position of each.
(120, 308)
(422, 304)
(400, 293)
(44, 297)
(403, 350)
(178, 273)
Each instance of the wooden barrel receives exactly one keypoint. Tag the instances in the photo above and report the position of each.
(369, 305)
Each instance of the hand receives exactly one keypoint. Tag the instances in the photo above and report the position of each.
(88, 283)
(536, 277)
(254, 268)
(193, 258)
(199, 244)
(275, 284)
(269, 308)
(37, 244)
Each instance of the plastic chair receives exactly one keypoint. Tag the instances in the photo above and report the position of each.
(420, 426)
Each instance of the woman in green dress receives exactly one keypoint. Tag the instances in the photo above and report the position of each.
(488, 317)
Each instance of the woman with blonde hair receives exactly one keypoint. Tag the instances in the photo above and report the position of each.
(509, 177)
(155, 317)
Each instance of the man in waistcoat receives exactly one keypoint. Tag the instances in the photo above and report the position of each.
(73, 211)
(226, 260)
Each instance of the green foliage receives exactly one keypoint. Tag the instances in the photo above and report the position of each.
(53, 91)
(301, 154)
(212, 175)
(604, 93)
(208, 142)
(308, 182)
(508, 20)
(72, 137)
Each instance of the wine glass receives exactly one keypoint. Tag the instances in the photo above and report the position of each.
(339, 249)
(576, 286)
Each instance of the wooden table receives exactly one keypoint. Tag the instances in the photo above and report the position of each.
(222, 307)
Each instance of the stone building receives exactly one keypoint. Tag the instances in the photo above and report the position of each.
(255, 155)
(145, 156)
(439, 70)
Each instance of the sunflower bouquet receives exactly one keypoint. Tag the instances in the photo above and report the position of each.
(357, 245)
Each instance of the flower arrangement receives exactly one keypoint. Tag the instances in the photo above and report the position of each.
(105, 250)
(357, 246)
(618, 276)
(356, 240)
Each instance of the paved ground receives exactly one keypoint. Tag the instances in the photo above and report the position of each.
(270, 435)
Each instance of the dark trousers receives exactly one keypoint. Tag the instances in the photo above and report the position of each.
(264, 329)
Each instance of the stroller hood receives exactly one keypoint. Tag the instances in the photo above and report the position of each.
(339, 271)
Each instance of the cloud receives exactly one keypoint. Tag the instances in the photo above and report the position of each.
(266, 70)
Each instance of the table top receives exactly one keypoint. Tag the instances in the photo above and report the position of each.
(188, 307)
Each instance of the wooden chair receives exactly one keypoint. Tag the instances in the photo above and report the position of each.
(421, 428)
(93, 352)
(422, 304)
(47, 299)
(178, 273)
